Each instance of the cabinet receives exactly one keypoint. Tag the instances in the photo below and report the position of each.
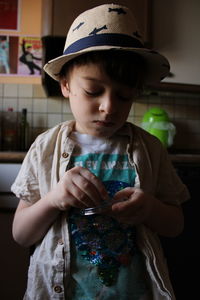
(176, 35)
(181, 252)
(14, 259)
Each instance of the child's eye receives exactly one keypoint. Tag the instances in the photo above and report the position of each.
(92, 93)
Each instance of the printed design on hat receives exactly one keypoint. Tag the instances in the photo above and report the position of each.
(118, 10)
(79, 25)
(120, 32)
(96, 30)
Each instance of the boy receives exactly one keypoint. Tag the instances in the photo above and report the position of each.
(96, 192)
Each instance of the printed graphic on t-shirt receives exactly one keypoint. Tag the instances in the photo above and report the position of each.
(114, 170)
(100, 243)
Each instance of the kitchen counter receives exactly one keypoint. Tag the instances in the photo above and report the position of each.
(185, 158)
(9, 157)
(18, 157)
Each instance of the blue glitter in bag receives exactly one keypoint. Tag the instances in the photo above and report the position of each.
(103, 242)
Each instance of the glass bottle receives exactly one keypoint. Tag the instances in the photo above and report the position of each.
(9, 130)
(24, 131)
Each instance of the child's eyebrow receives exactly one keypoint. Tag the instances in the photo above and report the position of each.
(100, 81)
(92, 79)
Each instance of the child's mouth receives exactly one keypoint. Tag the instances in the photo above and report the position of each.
(104, 123)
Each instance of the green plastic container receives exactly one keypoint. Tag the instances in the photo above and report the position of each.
(156, 121)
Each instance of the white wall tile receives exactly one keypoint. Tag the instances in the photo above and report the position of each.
(54, 105)
(131, 113)
(140, 109)
(130, 119)
(25, 103)
(11, 90)
(10, 102)
(39, 120)
(1, 89)
(137, 121)
(53, 120)
(39, 105)
(66, 107)
(25, 90)
(67, 117)
(30, 119)
(46, 112)
(38, 91)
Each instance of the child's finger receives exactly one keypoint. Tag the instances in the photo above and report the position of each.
(89, 186)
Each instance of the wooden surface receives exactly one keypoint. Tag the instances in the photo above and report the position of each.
(182, 158)
(12, 156)
(185, 158)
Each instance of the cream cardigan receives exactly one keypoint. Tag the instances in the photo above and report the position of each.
(42, 167)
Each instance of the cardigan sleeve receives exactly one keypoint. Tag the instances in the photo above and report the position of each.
(26, 186)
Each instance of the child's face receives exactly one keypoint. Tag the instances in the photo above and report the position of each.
(100, 106)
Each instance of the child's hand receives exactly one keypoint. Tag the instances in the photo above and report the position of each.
(136, 209)
(78, 188)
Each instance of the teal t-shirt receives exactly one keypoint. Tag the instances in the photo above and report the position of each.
(106, 263)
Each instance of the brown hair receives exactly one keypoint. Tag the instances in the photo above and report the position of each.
(121, 66)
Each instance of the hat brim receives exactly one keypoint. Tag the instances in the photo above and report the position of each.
(157, 66)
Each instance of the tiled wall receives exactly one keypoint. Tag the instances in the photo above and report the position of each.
(184, 112)
(42, 112)
(45, 112)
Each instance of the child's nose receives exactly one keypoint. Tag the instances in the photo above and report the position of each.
(108, 104)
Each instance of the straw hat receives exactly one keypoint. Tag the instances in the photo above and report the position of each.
(105, 27)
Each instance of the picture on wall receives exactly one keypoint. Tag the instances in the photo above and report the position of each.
(20, 56)
(30, 56)
(8, 54)
(9, 14)
(4, 55)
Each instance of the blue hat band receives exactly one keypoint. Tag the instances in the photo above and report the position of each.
(106, 39)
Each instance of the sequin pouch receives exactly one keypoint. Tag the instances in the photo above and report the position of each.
(103, 242)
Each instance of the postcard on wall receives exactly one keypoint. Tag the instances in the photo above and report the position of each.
(30, 56)
(4, 54)
(8, 55)
(9, 14)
